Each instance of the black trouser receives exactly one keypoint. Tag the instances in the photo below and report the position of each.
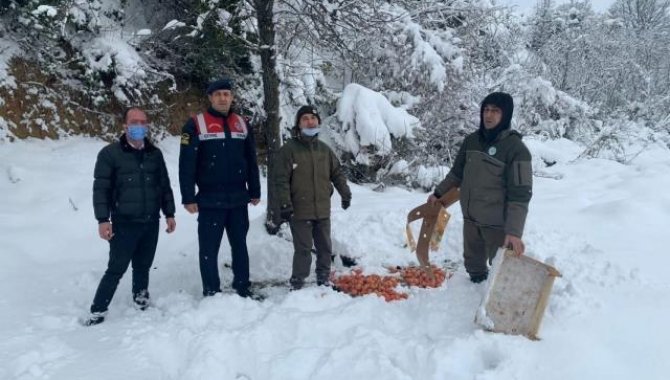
(132, 243)
(306, 232)
(479, 245)
(211, 224)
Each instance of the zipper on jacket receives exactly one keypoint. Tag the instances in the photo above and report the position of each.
(311, 154)
(140, 157)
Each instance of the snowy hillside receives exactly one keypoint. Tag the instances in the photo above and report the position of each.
(599, 222)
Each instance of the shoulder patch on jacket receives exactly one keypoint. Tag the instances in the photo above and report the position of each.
(185, 139)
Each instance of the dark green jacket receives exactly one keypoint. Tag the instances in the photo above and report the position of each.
(495, 181)
(307, 169)
(131, 185)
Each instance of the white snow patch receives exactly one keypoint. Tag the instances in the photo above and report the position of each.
(173, 24)
(601, 226)
(369, 119)
(46, 10)
(8, 50)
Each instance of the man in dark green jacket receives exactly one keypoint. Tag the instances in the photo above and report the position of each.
(307, 169)
(493, 171)
(131, 186)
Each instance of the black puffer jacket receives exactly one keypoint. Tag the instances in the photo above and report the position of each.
(131, 185)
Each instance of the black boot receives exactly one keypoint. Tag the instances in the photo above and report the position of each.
(141, 300)
(247, 293)
(348, 261)
(94, 319)
(477, 278)
(296, 284)
(209, 293)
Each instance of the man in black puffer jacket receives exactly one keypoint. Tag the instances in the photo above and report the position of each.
(493, 171)
(131, 186)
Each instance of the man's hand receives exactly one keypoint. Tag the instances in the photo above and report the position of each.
(346, 203)
(286, 213)
(255, 201)
(192, 208)
(515, 243)
(105, 231)
(432, 199)
(171, 225)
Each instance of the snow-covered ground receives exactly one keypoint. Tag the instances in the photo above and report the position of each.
(600, 223)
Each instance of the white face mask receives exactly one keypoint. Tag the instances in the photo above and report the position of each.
(310, 132)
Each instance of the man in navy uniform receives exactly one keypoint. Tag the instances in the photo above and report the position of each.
(218, 155)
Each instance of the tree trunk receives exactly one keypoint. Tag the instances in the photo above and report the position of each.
(266, 31)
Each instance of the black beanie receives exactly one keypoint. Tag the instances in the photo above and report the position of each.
(305, 110)
(503, 101)
(221, 84)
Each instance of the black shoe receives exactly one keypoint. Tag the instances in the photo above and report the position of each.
(210, 293)
(296, 284)
(348, 261)
(477, 278)
(94, 319)
(247, 293)
(141, 300)
(323, 283)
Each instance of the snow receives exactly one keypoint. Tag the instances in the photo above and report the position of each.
(600, 225)
(47, 10)
(172, 24)
(8, 49)
(425, 54)
(111, 53)
(368, 118)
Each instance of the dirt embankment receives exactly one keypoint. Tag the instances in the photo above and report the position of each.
(47, 107)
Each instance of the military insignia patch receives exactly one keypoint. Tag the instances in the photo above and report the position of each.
(185, 139)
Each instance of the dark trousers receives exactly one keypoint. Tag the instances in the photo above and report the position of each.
(479, 245)
(211, 224)
(132, 243)
(306, 232)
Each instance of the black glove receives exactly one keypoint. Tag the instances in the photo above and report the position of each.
(346, 203)
(286, 212)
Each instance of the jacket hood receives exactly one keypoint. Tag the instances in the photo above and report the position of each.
(503, 101)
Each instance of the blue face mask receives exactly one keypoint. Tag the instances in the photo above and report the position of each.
(137, 132)
(310, 132)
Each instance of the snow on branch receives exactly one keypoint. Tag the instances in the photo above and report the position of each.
(8, 49)
(369, 119)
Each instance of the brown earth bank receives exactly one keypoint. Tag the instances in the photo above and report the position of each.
(45, 106)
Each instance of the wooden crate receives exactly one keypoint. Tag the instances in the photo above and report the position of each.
(517, 296)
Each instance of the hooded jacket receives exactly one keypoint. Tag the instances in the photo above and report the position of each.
(494, 173)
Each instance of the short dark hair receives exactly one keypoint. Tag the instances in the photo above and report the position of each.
(127, 111)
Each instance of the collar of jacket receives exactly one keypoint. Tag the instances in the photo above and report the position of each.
(490, 136)
(307, 140)
(499, 136)
(125, 145)
(216, 113)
